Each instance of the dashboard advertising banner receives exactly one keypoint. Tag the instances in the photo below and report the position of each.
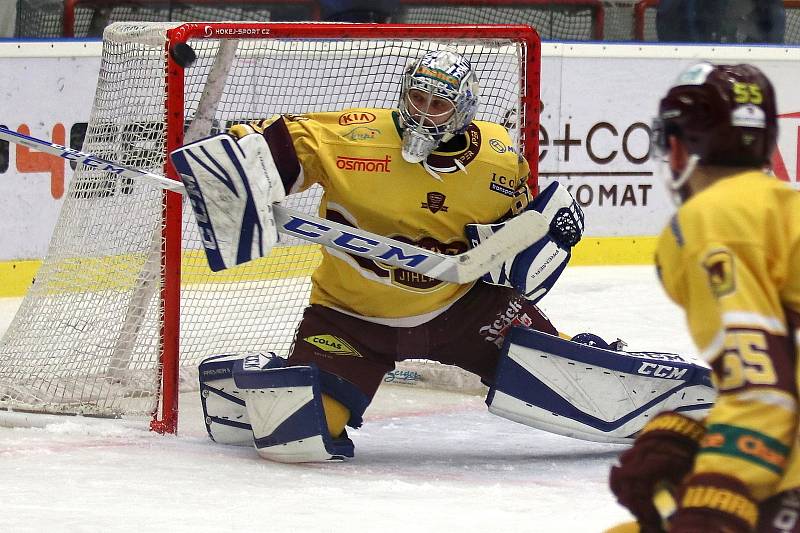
(598, 104)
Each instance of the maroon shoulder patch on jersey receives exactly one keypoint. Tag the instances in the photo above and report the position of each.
(446, 163)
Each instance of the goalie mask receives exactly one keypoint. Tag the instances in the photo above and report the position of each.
(438, 99)
(723, 114)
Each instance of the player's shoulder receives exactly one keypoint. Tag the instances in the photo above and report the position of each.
(353, 124)
(491, 143)
(492, 130)
(671, 239)
(749, 193)
(347, 117)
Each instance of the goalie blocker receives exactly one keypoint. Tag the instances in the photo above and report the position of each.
(534, 271)
(592, 393)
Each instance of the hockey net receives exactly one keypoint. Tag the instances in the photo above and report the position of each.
(124, 306)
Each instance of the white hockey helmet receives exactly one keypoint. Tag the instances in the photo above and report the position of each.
(445, 75)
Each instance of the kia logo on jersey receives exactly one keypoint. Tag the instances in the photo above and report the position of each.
(435, 202)
(356, 117)
(363, 164)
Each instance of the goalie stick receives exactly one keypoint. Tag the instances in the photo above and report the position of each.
(519, 233)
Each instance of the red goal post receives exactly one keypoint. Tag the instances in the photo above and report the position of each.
(124, 306)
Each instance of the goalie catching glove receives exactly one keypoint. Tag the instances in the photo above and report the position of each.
(535, 270)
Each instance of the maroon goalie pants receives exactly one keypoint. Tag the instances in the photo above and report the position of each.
(468, 335)
(780, 513)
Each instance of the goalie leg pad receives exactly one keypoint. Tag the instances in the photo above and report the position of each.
(285, 409)
(592, 393)
(224, 410)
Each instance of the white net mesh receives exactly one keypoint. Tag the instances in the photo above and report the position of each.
(87, 338)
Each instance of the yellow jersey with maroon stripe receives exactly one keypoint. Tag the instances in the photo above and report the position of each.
(731, 259)
(355, 155)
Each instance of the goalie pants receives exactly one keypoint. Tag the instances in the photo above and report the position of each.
(468, 335)
(780, 513)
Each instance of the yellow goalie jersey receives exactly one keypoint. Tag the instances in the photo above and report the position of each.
(731, 259)
(355, 155)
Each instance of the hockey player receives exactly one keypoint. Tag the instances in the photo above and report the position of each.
(421, 174)
(731, 258)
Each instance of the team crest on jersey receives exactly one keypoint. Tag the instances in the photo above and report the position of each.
(356, 117)
(332, 345)
(435, 202)
(720, 272)
(449, 163)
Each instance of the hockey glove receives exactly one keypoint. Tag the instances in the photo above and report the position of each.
(663, 452)
(714, 502)
(534, 271)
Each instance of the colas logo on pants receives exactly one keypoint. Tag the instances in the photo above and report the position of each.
(332, 345)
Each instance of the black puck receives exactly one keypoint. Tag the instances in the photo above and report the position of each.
(183, 54)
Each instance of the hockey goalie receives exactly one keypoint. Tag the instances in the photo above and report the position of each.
(429, 174)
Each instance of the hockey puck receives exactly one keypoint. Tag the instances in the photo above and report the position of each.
(183, 54)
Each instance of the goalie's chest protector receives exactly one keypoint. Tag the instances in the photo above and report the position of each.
(356, 156)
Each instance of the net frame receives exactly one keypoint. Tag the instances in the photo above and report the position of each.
(528, 135)
(168, 252)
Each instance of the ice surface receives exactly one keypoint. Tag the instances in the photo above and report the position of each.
(426, 461)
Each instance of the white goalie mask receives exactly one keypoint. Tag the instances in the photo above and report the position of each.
(438, 99)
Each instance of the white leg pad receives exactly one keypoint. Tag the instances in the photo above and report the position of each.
(591, 393)
(224, 410)
(284, 406)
